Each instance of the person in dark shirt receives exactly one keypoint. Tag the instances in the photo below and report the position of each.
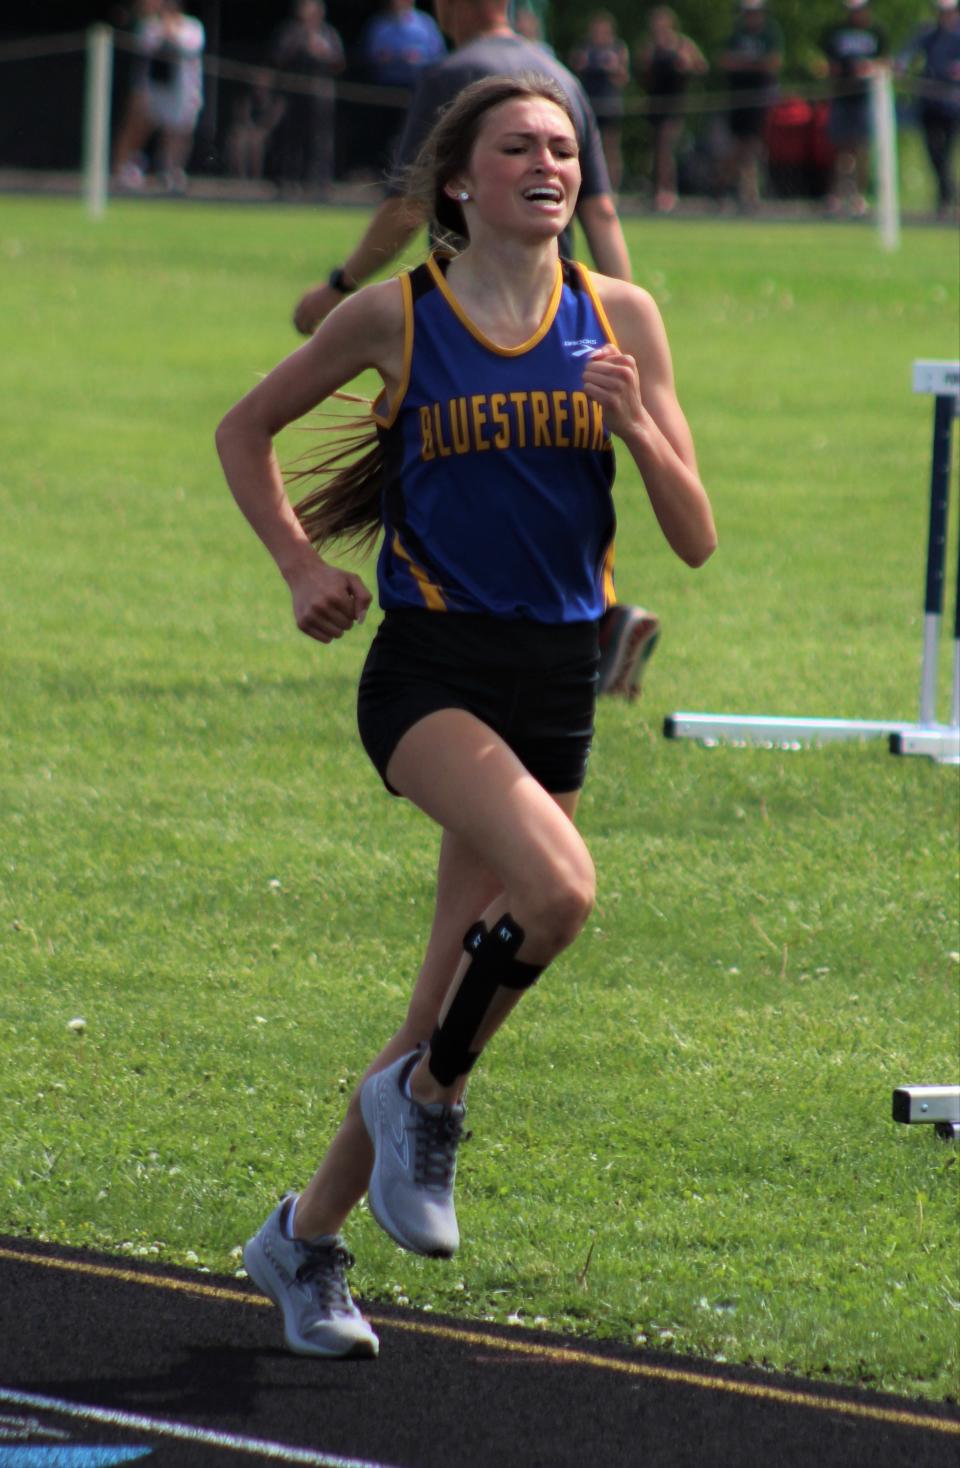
(602, 63)
(937, 44)
(668, 60)
(852, 50)
(751, 63)
(311, 53)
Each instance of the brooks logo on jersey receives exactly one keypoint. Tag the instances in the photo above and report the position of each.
(515, 420)
(585, 346)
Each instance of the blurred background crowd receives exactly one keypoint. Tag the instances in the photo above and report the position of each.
(733, 105)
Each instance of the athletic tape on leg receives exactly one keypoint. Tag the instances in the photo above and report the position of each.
(493, 966)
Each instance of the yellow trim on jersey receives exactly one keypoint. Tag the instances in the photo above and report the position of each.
(604, 319)
(464, 319)
(430, 592)
(387, 420)
(609, 590)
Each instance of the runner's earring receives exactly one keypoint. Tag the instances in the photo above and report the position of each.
(463, 196)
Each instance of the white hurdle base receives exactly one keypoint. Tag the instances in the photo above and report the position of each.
(940, 742)
(777, 732)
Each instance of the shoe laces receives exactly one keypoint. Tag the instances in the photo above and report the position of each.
(439, 1134)
(324, 1269)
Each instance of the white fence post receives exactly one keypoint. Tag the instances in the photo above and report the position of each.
(885, 158)
(96, 119)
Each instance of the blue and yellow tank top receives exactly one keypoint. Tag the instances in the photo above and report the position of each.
(497, 466)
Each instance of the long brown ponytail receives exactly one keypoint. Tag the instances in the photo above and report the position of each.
(344, 503)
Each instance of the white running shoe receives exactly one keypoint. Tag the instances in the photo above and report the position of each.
(628, 637)
(415, 1164)
(309, 1283)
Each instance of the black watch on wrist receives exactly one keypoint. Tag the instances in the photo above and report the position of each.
(337, 280)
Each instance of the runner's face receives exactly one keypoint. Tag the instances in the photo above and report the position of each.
(524, 172)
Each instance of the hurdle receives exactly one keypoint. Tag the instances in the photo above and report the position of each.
(939, 1105)
(940, 742)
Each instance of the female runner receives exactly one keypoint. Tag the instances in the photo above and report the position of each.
(505, 371)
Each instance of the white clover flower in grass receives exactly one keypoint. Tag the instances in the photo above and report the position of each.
(78, 1025)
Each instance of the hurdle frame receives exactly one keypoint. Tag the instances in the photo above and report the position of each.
(926, 736)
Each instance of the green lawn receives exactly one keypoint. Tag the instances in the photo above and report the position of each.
(683, 1137)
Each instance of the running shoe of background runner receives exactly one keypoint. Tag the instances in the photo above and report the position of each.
(628, 636)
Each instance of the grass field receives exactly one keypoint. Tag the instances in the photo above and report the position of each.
(683, 1138)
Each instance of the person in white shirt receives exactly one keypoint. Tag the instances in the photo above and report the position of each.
(166, 94)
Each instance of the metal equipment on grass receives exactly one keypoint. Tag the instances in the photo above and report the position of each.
(939, 1105)
(941, 742)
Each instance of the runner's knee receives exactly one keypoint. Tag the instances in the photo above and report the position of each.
(556, 910)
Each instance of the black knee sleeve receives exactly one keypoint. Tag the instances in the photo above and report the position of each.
(493, 966)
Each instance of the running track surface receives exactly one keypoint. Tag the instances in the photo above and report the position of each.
(103, 1361)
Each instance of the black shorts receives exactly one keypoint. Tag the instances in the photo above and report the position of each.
(534, 685)
(848, 122)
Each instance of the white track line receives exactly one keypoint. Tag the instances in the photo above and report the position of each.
(111, 1417)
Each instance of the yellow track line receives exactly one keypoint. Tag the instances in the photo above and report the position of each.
(134, 1276)
(552, 1355)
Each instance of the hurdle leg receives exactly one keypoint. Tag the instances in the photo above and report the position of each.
(939, 741)
(936, 556)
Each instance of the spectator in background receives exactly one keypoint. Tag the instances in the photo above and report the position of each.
(526, 23)
(396, 44)
(938, 43)
(602, 63)
(668, 60)
(255, 115)
(310, 53)
(852, 50)
(166, 95)
(751, 62)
